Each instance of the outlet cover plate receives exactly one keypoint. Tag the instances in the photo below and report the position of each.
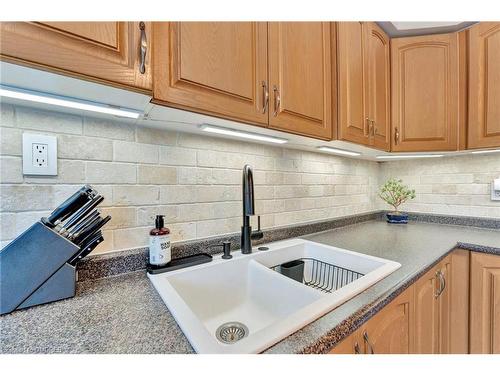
(49, 165)
(495, 190)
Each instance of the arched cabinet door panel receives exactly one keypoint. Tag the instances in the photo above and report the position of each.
(484, 85)
(425, 93)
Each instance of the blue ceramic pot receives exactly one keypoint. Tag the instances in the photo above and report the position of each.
(397, 218)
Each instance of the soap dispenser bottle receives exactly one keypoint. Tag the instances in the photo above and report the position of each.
(159, 243)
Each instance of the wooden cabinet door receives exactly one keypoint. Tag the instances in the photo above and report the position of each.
(426, 329)
(218, 68)
(353, 100)
(101, 51)
(300, 78)
(390, 330)
(484, 85)
(350, 345)
(378, 73)
(485, 304)
(425, 93)
(453, 304)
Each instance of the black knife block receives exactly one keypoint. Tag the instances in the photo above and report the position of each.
(34, 269)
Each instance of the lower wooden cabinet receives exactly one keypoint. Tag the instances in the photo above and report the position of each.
(388, 332)
(441, 307)
(485, 304)
(430, 317)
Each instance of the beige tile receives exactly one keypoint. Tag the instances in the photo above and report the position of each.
(177, 156)
(135, 152)
(7, 115)
(127, 195)
(7, 226)
(11, 170)
(11, 141)
(26, 198)
(108, 129)
(156, 175)
(110, 173)
(147, 215)
(195, 176)
(121, 217)
(84, 148)
(156, 136)
(28, 118)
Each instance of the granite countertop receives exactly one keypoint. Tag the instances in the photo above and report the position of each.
(124, 314)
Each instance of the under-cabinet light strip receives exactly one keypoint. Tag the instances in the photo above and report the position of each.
(241, 134)
(409, 156)
(61, 101)
(338, 151)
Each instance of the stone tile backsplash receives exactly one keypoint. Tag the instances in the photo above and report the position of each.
(195, 180)
(459, 185)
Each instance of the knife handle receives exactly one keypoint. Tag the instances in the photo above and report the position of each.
(70, 205)
(80, 214)
(90, 230)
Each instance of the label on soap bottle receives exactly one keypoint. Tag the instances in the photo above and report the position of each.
(159, 250)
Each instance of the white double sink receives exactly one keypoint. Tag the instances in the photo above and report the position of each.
(262, 306)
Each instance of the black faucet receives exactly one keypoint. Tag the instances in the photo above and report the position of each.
(248, 210)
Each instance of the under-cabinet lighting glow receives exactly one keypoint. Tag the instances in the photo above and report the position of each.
(485, 151)
(338, 151)
(409, 156)
(62, 101)
(241, 134)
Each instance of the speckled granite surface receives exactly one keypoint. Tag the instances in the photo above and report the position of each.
(123, 314)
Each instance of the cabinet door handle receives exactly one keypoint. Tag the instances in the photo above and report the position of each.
(144, 47)
(396, 136)
(374, 128)
(356, 349)
(372, 122)
(442, 283)
(265, 96)
(277, 100)
(367, 340)
(366, 130)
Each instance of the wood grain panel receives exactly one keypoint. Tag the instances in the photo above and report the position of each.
(484, 85)
(426, 340)
(378, 61)
(425, 93)
(353, 91)
(300, 78)
(99, 51)
(390, 330)
(216, 68)
(485, 304)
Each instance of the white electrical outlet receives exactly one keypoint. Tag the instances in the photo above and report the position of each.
(495, 190)
(39, 154)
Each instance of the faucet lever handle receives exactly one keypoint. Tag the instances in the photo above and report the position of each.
(258, 223)
(257, 235)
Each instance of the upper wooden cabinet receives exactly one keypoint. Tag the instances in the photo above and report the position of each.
(300, 78)
(425, 93)
(218, 68)
(364, 84)
(484, 85)
(485, 304)
(101, 51)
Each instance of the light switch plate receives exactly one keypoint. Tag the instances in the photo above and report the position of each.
(495, 190)
(39, 154)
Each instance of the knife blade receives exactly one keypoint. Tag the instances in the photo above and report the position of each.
(87, 249)
(69, 206)
(90, 230)
(88, 220)
(81, 213)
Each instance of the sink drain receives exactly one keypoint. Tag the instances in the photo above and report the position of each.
(231, 332)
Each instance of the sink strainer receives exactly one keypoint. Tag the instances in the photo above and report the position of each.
(231, 332)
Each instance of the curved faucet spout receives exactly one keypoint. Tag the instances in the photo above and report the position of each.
(248, 200)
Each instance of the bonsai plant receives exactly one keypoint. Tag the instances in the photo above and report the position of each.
(394, 193)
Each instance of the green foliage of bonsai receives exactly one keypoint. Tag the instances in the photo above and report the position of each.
(394, 193)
